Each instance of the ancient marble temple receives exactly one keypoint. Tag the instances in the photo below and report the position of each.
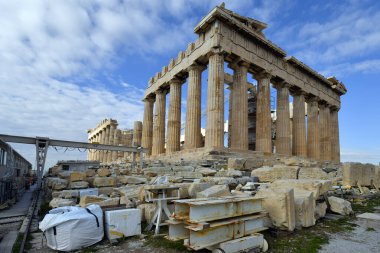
(225, 36)
(106, 132)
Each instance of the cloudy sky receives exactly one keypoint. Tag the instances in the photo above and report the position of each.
(67, 64)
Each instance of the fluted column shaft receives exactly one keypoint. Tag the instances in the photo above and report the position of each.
(193, 108)
(299, 128)
(313, 150)
(334, 126)
(263, 114)
(111, 141)
(158, 146)
(283, 142)
(324, 128)
(115, 143)
(239, 110)
(215, 102)
(96, 154)
(102, 141)
(174, 117)
(147, 131)
(106, 142)
(137, 133)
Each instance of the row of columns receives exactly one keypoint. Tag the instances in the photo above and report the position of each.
(320, 141)
(110, 135)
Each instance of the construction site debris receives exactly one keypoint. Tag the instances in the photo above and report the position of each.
(340, 206)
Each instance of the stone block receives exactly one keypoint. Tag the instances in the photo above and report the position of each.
(64, 174)
(103, 172)
(88, 191)
(124, 172)
(90, 181)
(253, 163)
(340, 206)
(270, 174)
(133, 180)
(194, 188)
(58, 183)
(174, 179)
(105, 190)
(314, 186)
(55, 170)
(188, 174)
(59, 202)
(315, 173)
(320, 210)
(78, 185)
(279, 203)
(131, 191)
(229, 173)
(66, 194)
(304, 205)
(358, 173)
(90, 172)
(206, 171)
(214, 191)
(101, 201)
(77, 176)
(104, 181)
(236, 163)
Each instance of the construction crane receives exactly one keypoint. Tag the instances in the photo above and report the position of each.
(42, 144)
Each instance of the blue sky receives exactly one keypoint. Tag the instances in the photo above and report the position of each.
(66, 65)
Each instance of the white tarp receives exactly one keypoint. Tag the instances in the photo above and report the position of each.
(71, 228)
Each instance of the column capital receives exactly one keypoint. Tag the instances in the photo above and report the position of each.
(334, 108)
(298, 92)
(323, 104)
(282, 84)
(215, 51)
(196, 66)
(149, 99)
(311, 98)
(175, 80)
(262, 75)
(161, 91)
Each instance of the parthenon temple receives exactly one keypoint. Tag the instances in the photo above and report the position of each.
(226, 37)
(106, 132)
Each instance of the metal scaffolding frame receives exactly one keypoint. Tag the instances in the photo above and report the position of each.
(42, 144)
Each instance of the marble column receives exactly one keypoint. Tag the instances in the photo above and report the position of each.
(137, 131)
(324, 134)
(299, 128)
(313, 151)
(193, 108)
(106, 142)
(334, 126)
(215, 102)
(115, 143)
(283, 141)
(158, 145)
(102, 140)
(239, 110)
(147, 131)
(111, 141)
(263, 114)
(96, 153)
(174, 117)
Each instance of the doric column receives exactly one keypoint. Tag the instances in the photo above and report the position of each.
(115, 143)
(111, 142)
(159, 124)
(334, 126)
(299, 128)
(174, 117)
(313, 151)
(147, 131)
(239, 107)
(263, 114)
(193, 108)
(106, 142)
(96, 154)
(283, 142)
(102, 141)
(324, 134)
(137, 131)
(215, 102)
